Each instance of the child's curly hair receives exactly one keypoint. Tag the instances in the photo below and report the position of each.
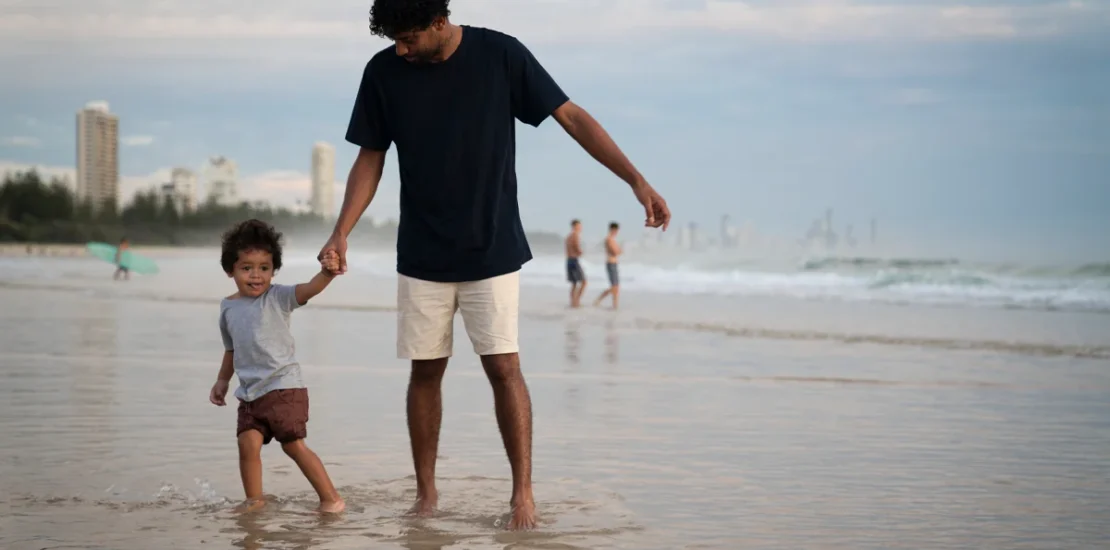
(247, 236)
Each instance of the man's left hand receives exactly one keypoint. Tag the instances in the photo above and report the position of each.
(655, 208)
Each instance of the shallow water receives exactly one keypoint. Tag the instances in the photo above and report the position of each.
(644, 438)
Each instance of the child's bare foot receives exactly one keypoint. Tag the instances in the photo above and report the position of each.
(250, 505)
(332, 507)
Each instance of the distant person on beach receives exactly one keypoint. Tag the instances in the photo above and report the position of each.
(258, 347)
(575, 275)
(449, 96)
(612, 251)
(121, 270)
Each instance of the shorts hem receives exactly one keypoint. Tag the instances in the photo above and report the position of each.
(424, 356)
(500, 350)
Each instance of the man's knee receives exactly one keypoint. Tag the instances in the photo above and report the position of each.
(502, 368)
(428, 371)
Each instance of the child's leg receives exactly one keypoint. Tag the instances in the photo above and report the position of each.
(250, 467)
(314, 470)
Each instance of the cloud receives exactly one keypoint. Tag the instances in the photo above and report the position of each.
(293, 25)
(22, 141)
(137, 141)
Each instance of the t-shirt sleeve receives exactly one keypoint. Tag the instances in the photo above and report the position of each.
(285, 296)
(535, 94)
(225, 333)
(368, 126)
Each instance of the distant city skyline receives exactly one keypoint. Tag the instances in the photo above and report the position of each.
(963, 129)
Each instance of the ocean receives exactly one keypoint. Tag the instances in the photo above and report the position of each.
(830, 402)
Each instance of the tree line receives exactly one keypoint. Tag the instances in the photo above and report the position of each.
(34, 209)
(37, 210)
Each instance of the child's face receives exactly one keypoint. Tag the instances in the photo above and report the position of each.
(253, 272)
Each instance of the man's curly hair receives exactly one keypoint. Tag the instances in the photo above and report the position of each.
(388, 18)
(247, 236)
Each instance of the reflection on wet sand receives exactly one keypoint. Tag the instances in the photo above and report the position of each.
(612, 342)
(572, 344)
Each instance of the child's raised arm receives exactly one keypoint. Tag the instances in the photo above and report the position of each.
(307, 291)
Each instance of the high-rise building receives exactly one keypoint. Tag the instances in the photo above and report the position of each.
(181, 190)
(322, 201)
(220, 180)
(97, 155)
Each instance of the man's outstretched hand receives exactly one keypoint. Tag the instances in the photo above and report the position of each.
(337, 245)
(655, 208)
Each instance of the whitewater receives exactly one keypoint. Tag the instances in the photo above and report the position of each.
(908, 281)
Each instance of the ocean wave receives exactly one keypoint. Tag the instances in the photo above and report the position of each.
(1092, 270)
(897, 281)
(823, 264)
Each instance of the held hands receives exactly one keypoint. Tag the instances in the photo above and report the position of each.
(329, 262)
(655, 208)
(336, 245)
(218, 393)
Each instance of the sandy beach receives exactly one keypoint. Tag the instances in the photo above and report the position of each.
(682, 421)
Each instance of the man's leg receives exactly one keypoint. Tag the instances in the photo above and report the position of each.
(607, 292)
(513, 406)
(424, 407)
(425, 315)
(490, 310)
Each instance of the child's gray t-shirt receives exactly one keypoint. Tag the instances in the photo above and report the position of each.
(257, 330)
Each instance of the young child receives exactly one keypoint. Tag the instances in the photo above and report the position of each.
(254, 323)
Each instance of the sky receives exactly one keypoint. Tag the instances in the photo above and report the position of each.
(978, 128)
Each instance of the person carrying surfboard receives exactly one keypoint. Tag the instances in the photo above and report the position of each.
(121, 270)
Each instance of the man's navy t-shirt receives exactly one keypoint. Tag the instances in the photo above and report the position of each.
(455, 130)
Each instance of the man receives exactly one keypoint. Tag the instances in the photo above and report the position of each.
(612, 251)
(448, 95)
(575, 275)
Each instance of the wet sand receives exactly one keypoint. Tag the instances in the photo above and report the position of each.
(644, 437)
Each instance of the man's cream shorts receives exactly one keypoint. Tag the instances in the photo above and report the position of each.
(426, 314)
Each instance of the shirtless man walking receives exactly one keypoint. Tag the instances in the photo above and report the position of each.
(612, 251)
(575, 276)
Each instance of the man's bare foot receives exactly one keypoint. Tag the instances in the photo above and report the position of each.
(522, 517)
(332, 507)
(424, 507)
(250, 505)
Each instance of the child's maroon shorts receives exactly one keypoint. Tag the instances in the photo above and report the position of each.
(279, 414)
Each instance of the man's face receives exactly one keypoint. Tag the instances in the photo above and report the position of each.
(420, 46)
(577, 228)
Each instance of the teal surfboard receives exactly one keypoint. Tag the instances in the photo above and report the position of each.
(133, 262)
